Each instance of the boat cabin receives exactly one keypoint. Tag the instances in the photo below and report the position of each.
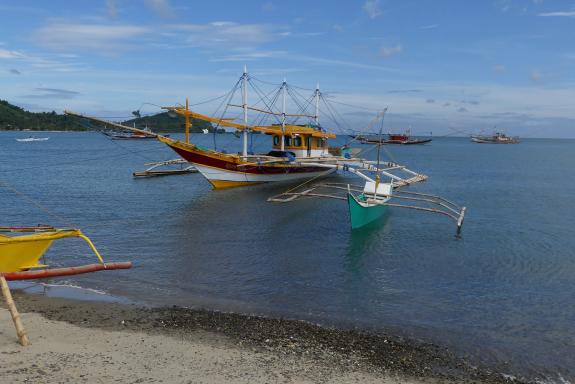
(302, 140)
(302, 145)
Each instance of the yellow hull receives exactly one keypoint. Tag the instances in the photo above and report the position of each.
(224, 184)
(23, 252)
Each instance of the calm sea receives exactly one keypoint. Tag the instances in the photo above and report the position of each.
(503, 293)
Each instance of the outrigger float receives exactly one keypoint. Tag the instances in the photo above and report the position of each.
(20, 251)
(300, 151)
(166, 168)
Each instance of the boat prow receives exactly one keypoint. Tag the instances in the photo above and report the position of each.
(362, 213)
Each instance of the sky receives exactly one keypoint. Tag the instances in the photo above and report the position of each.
(447, 66)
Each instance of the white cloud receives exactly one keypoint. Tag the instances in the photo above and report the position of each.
(226, 33)
(371, 7)
(342, 63)
(65, 36)
(499, 68)
(111, 8)
(7, 54)
(558, 14)
(251, 56)
(431, 26)
(161, 7)
(535, 75)
(268, 7)
(390, 51)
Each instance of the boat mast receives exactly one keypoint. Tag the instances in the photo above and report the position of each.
(187, 120)
(316, 118)
(282, 144)
(379, 143)
(245, 105)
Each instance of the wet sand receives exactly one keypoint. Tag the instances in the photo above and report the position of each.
(97, 342)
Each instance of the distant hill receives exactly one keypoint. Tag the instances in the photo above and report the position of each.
(16, 118)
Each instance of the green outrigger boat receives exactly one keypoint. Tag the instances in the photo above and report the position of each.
(368, 206)
(361, 213)
(370, 202)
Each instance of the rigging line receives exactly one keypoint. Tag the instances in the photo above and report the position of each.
(296, 101)
(304, 183)
(304, 110)
(227, 100)
(334, 119)
(303, 89)
(208, 101)
(258, 91)
(336, 112)
(265, 98)
(357, 135)
(107, 156)
(265, 82)
(355, 106)
(136, 153)
(263, 116)
(35, 203)
(307, 102)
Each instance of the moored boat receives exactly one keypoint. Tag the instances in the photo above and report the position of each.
(299, 152)
(31, 138)
(391, 138)
(22, 247)
(496, 138)
(127, 135)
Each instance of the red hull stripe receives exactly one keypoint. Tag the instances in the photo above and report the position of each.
(209, 161)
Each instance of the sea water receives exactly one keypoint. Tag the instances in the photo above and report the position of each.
(503, 293)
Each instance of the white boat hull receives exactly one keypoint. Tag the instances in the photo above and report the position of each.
(33, 139)
(218, 176)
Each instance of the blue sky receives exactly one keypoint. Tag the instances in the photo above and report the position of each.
(441, 66)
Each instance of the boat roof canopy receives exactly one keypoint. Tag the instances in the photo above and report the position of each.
(269, 129)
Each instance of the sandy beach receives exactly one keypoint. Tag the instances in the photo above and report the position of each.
(96, 342)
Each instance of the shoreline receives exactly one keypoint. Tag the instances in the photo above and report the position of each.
(315, 353)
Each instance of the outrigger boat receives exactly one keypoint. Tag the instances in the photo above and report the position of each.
(20, 251)
(22, 247)
(299, 151)
(370, 202)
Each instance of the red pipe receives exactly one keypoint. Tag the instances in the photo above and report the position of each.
(68, 271)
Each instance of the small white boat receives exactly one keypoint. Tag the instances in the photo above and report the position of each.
(33, 139)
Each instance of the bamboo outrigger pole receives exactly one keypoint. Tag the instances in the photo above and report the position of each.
(20, 331)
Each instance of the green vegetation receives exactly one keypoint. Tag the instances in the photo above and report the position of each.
(162, 122)
(16, 118)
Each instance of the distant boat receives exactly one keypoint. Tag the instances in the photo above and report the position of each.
(205, 131)
(390, 138)
(114, 135)
(496, 138)
(27, 139)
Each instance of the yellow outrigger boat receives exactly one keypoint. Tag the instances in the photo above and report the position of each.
(22, 247)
